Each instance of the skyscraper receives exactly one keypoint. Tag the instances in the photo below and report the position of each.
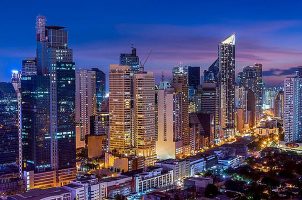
(293, 109)
(144, 116)
(85, 103)
(226, 82)
(120, 112)
(169, 139)
(100, 87)
(65, 146)
(279, 105)
(193, 83)
(47, 119)
(90, 90)
(251, 79)
(131, 59)
(180, 84)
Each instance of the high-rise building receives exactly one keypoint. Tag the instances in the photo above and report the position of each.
(169, 139)
(279, 105)
(100, 87)
(208, 98)
(120, 112)
(251, 79)
(85, 103)
(144, 116)
(132, 60)
(293, 109)
(65, 145)
(47, 107)
(193, 77)
(180, 84)
(202, 130)
(226, 83)
(35, 111)
(90, 90)
(193, 83)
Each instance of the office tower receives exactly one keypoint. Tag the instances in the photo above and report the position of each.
(35, 123)
(193, 83)
(144, 116)
(250, 113)
(85, 103)
(90, 92)
(251, 79)
(65, 107)
(279, 105)
(293, 109)
(29, 67)
(211, 75)
(193, 76)
(99, 124)
(120, 113)
(180, 84)
(226, 83)
(9, 145)
(169, 140)
(208, 98)
(132, 60)
(48, 106)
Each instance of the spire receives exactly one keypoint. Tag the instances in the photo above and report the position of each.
(229, 40)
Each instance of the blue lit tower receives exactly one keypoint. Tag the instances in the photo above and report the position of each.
(47, 111)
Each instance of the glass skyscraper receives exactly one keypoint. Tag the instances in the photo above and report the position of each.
(131, 59)
(47, 111)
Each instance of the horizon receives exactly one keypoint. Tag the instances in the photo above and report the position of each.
(103, 30)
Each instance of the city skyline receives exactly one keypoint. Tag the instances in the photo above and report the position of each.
(98, 35)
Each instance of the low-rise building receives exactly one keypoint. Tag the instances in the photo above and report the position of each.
(181, 168)
(112, 186)
(40, 194)
(153, 178)
(197, 182)
(84, 188)
(197, 164)
(230, 161)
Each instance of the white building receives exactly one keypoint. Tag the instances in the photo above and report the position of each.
(231, 161)
(169, 143)
(153, 179)
(181, 168)
(112, 186)
(293, 109)
(197, 165)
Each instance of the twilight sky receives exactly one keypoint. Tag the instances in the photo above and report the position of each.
(268, 31)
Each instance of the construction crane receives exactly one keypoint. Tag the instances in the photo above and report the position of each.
(142, 65)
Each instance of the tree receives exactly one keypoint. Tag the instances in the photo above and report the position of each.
(211, 191)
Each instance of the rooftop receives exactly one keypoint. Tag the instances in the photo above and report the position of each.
(230, 40)
(37, 194)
